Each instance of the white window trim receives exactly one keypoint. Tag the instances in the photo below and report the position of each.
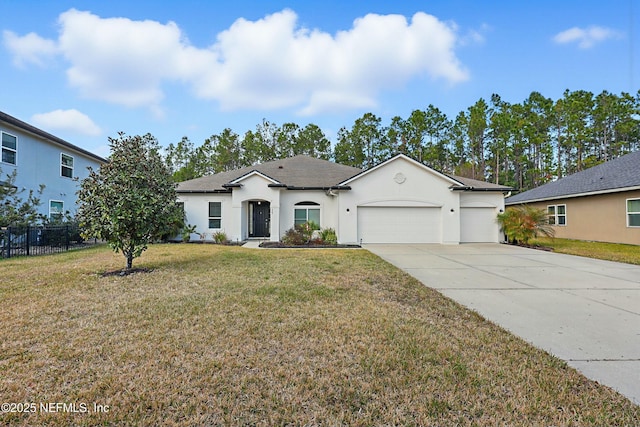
(626, 209)
(2, 147)
(556, 215)
(209, 218)
(57, 213)
(306, 206)
(62, 165)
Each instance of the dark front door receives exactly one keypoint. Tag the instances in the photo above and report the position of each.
(259, 219)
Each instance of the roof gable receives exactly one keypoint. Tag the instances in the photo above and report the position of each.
(620, 174)
(401, 157)
(253, 173)
(455, 182)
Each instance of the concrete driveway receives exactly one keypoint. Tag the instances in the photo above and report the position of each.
(582, 310)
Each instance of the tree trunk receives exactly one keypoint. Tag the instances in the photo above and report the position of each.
(128, 254)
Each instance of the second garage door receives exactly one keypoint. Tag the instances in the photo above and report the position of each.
(399, 225)
(478, 225)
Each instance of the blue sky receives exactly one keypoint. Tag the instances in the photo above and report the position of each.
(85, 70)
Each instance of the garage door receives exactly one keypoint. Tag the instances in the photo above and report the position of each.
(399, 225)
(478, 225)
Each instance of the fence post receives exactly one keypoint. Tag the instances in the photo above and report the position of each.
(66, 236)
(28, 239)
(9, 242)
(7, 245)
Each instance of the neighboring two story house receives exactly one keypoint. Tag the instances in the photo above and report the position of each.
(41, 158)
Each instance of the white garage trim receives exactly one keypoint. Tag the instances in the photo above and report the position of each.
(401, 203)
(381, 224)
(478, 225)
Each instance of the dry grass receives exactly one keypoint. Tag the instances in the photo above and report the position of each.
(230, 336)
(629, 254)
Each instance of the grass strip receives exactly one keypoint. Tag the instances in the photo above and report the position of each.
(618, 252)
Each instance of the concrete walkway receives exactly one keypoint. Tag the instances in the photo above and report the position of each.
(582, 310)
(253, 244)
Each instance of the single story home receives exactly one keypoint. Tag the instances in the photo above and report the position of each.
(601, 203)
(397, 201)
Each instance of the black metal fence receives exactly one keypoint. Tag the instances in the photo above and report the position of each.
(39, 240)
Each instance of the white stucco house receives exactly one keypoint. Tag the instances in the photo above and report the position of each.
(397, 201)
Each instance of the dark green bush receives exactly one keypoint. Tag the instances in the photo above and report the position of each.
(328, 236)
(294, 237)
(303, 234)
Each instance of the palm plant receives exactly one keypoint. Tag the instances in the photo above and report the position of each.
(523, 223)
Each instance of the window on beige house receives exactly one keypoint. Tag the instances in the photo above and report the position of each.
(557, 214)
(633, 212)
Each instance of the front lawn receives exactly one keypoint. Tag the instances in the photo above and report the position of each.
(218, 335)
(629, 254)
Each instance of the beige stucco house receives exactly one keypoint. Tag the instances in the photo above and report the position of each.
(397, 201)
(601, 203)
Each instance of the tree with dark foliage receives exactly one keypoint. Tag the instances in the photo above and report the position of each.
(131, 200)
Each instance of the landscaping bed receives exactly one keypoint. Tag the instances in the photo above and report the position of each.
(532, 246)
(310, 245)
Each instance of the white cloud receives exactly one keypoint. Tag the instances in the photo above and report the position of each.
(119, 60)
(275, 64)
(585, 37)
(270, 63)
(29, 49)
(68, 121)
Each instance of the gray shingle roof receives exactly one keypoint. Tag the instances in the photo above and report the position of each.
(475, 184)
(293, 172)
(618, 174)
(302, 172)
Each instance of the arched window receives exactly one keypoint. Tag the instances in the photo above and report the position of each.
(306, 212)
